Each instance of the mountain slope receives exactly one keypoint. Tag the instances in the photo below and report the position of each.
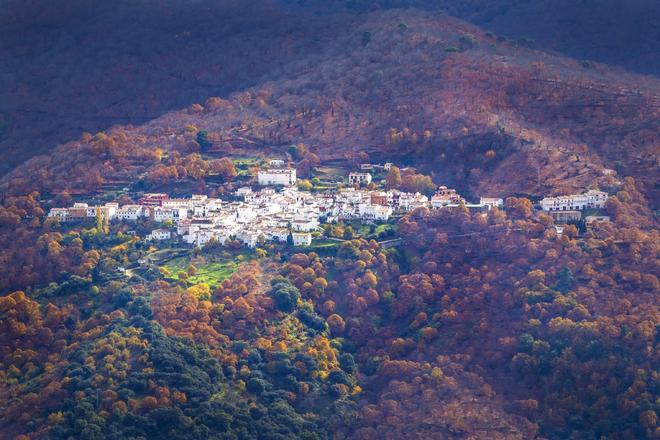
(81, 66)
(477, 326)
(617, 32)
(435, 92)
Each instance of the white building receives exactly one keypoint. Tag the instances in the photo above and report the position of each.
(591, 199)
(374, 212)
(60, 213)
(491, 202)
(199, 237)
(177, 203)
(277, 176)
(408, 201)
(592, 221)
(184, 227)
(301, 238)
(445, 196)
(359, 178)
(305, 225)
(278, 234)
(159, 234)
(354, 196)
(244, 213)
(173, 214)
(243, 192)
(131, 212)
(249, 238)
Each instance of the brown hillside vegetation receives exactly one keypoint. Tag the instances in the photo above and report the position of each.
(75, 66)
(428, 90)
(474, 325)
(616, 32)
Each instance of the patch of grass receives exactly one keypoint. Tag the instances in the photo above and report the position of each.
(323, 244)
(212, 273)
(246, 161)
(242, 164)
(374, 230)
(321, 188)
(382, 228)
(593, 211)
(330, 173)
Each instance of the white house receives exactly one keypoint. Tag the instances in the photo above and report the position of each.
(592, 221)
(408, 201)
(199, 198)
(352, 195)
(277, 176)
(131, 212)
(596, 199)
(359, 178)
(107, 211)
(445, 196)
(159, 234)
(278, 234)
(245, 213)
(153, 199)
(591, 199)
(374, 212)
(173, 214)
(60, 213)
(301, 238)
(201, 210)
(565, 216)
(243, 192)
(304, 225)
(184, 227)
(177, 203)
(491, 202)
(249, 238)
(199, 237)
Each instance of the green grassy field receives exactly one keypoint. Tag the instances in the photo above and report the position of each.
(330, 173)
(212, 273)
(368, 231)
(323, 244)
(383, 228)
(243, 163)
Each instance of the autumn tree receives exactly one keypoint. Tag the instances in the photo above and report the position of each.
(393, 179)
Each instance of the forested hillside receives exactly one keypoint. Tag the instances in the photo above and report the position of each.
(499, 323)
(429, 90)
(75, 66)
(479, 326)
(617, 32)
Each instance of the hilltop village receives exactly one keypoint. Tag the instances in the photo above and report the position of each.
(276, 209)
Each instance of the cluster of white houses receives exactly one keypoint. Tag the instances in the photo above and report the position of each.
(591, 199)
(269, 214)
(285, 213)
